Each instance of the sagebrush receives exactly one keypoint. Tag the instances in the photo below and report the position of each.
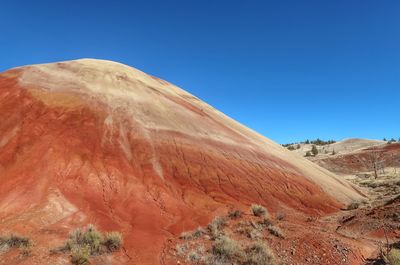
(87, 242)
(258, 210)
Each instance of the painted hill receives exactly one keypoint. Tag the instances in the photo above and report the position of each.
(92, 141)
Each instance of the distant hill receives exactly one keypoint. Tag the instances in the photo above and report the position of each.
(328, 148)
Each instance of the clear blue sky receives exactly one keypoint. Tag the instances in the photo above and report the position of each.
(290, 70)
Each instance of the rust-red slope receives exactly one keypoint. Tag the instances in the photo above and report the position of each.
(92, 141)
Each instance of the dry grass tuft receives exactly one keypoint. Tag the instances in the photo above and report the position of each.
(235, 214)
(265, 222)
(181, 249)
(80, 255)
(258, 210)
(276, 231)
(353, 206)
(193, 234)
(16, 241)
(216, 227)
(258, 254)
(280, 216)
(224, 251)
(113, 241)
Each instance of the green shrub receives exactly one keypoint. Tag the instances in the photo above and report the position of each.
(393, 257)
(258, 210)
(93, 239)
(80, 255)
(314, 150)
(291, 147)
(113, 241)
(84, 243)
(258, 254)
(76, 236)
(90, 237)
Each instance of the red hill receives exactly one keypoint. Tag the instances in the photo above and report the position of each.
(93, 141)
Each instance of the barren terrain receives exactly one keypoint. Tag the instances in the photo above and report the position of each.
(97, 142)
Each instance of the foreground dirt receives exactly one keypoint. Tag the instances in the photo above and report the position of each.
(310, 240)
(377, 219)
(351, 236)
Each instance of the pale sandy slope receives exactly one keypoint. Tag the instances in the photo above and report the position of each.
(119, 87)
(354, 144)
(344, 146)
